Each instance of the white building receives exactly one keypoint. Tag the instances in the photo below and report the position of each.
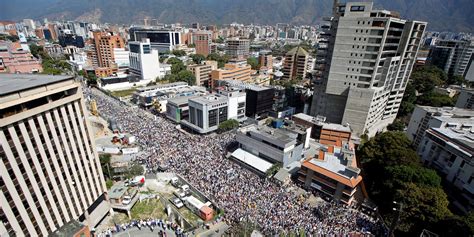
(451, 151)
(144, 61)
(49, 168)
(363, 65)
(122, 60)
(426, 117)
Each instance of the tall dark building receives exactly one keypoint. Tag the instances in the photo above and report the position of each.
(71, 40)
(259, 101)
(164, 40)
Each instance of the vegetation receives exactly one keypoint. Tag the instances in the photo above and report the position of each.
(228, 125)
(273, 170)
(50, 65)
(221, 60)
(12, 38)
(253, 62)
(151, 208)
(198, 58)
(109, 183)
(123, 93)
(105, 164)
(178, 53)
(135, 170)
(397, 125)
(179, 72)
(392, 172)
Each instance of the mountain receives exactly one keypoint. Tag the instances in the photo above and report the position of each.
(442, 15)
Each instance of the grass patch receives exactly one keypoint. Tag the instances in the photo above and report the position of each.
(151, 208)
(123, 93)
(190, 216)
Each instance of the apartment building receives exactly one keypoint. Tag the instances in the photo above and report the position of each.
(295, 64)
(202, 72)
(364, 66)
(452, 56)
(50, 172)
(266, 60)
(426, 117)
(104, 43)
(202, 42)
(232, 71)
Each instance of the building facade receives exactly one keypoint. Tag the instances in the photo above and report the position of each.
(465, 99)
(237, 48)
(231, 71)
(144, 61)
(50, 171)
(202, 42)
(452, 56)
(163, 40)
(295, 64)
(202, 72)
(105, 43)
(367, 61)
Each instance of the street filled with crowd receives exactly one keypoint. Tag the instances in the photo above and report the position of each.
(161, 227)
(244, 196)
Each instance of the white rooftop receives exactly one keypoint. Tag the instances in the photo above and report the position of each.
(252, 160)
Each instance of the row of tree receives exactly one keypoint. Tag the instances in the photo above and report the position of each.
(392, 171)
(51, 66)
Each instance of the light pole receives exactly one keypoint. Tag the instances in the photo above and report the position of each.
(396, 218)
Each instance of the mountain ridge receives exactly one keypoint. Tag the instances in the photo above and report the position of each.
(442, 15)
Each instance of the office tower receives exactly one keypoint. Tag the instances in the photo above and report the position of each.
(164, 40)
(50, 172)
(105, 42)
(237, 48)
(295, 64)
(232, 71)
(202, 42)
(364, 66)
(144, 61)
(202, 72)
(452, 56)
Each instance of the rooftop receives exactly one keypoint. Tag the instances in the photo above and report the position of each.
(243, 85)
(298, 51)
(117, 191)
(459, 138)
(448, 111)
(252, 160)
(69, 229)
(320, 121)
(11, 83)
(210, 99)
(181, 100)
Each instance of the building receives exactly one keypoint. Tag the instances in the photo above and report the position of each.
(363, 69)
(50, 170)
(452, 56)
(232, 71)
(105, 43)
(465, 99)
(237, 48)
(295, 64)
(279, 145)
(163, 40)
(177, 109)
(70, 39)
(202, 42)
(426, 117)
(265, 60)
(13, 59)
(144, 61)
(207, 112)
(325, 133)
(202, 72)
(259, 99)
(450, 150)
(332, 170)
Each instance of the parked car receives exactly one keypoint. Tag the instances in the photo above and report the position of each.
(126, 200)
(179, 193)
(177, 202)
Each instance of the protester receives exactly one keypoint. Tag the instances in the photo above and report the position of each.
(242, 194)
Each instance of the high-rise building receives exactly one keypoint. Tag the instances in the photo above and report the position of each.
(70, 39)
(368, 59)
(231, 71)
(452, 56)
(105, 42)
(265, 60)
(144, 61)
(202, 72)
(50, 172)
(295, 64)
(164, 40)
(237, 48)
(202, 42)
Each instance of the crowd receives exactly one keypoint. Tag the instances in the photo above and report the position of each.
(244, 196)
(158, 225)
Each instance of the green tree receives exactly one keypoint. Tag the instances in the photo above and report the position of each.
(105, 164)
(458, 226)
(456, 80)
(435, 99)
(187, 76)
(228, 125)
(427, 77)
(170, 78)
(35, 50)
(221, 60)
(176, 65)
(178, 53)
(91, 78)
(397, 125)
(253, 62)
(273, 170)
(135, 170)
(198, 58)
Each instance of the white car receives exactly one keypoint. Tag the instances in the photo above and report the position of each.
(177, 202)
(126, 200)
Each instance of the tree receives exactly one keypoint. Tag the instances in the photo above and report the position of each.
(35, 50)
(253, 62)
(221, 60)
(176, 65)
(273, 170)
(135, 170)
(228, 125)
(91, 78)
(178, 53)
(105, 164)
(170, 78)
(198, 58)
(427, 77)
(435, 99)
(219, 40)
(187, 76)
(458, 226)
(397, 125)
(456, 80)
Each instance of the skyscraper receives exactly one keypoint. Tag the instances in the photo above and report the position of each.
(50, 172)
(105, 42)
(363, 66)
